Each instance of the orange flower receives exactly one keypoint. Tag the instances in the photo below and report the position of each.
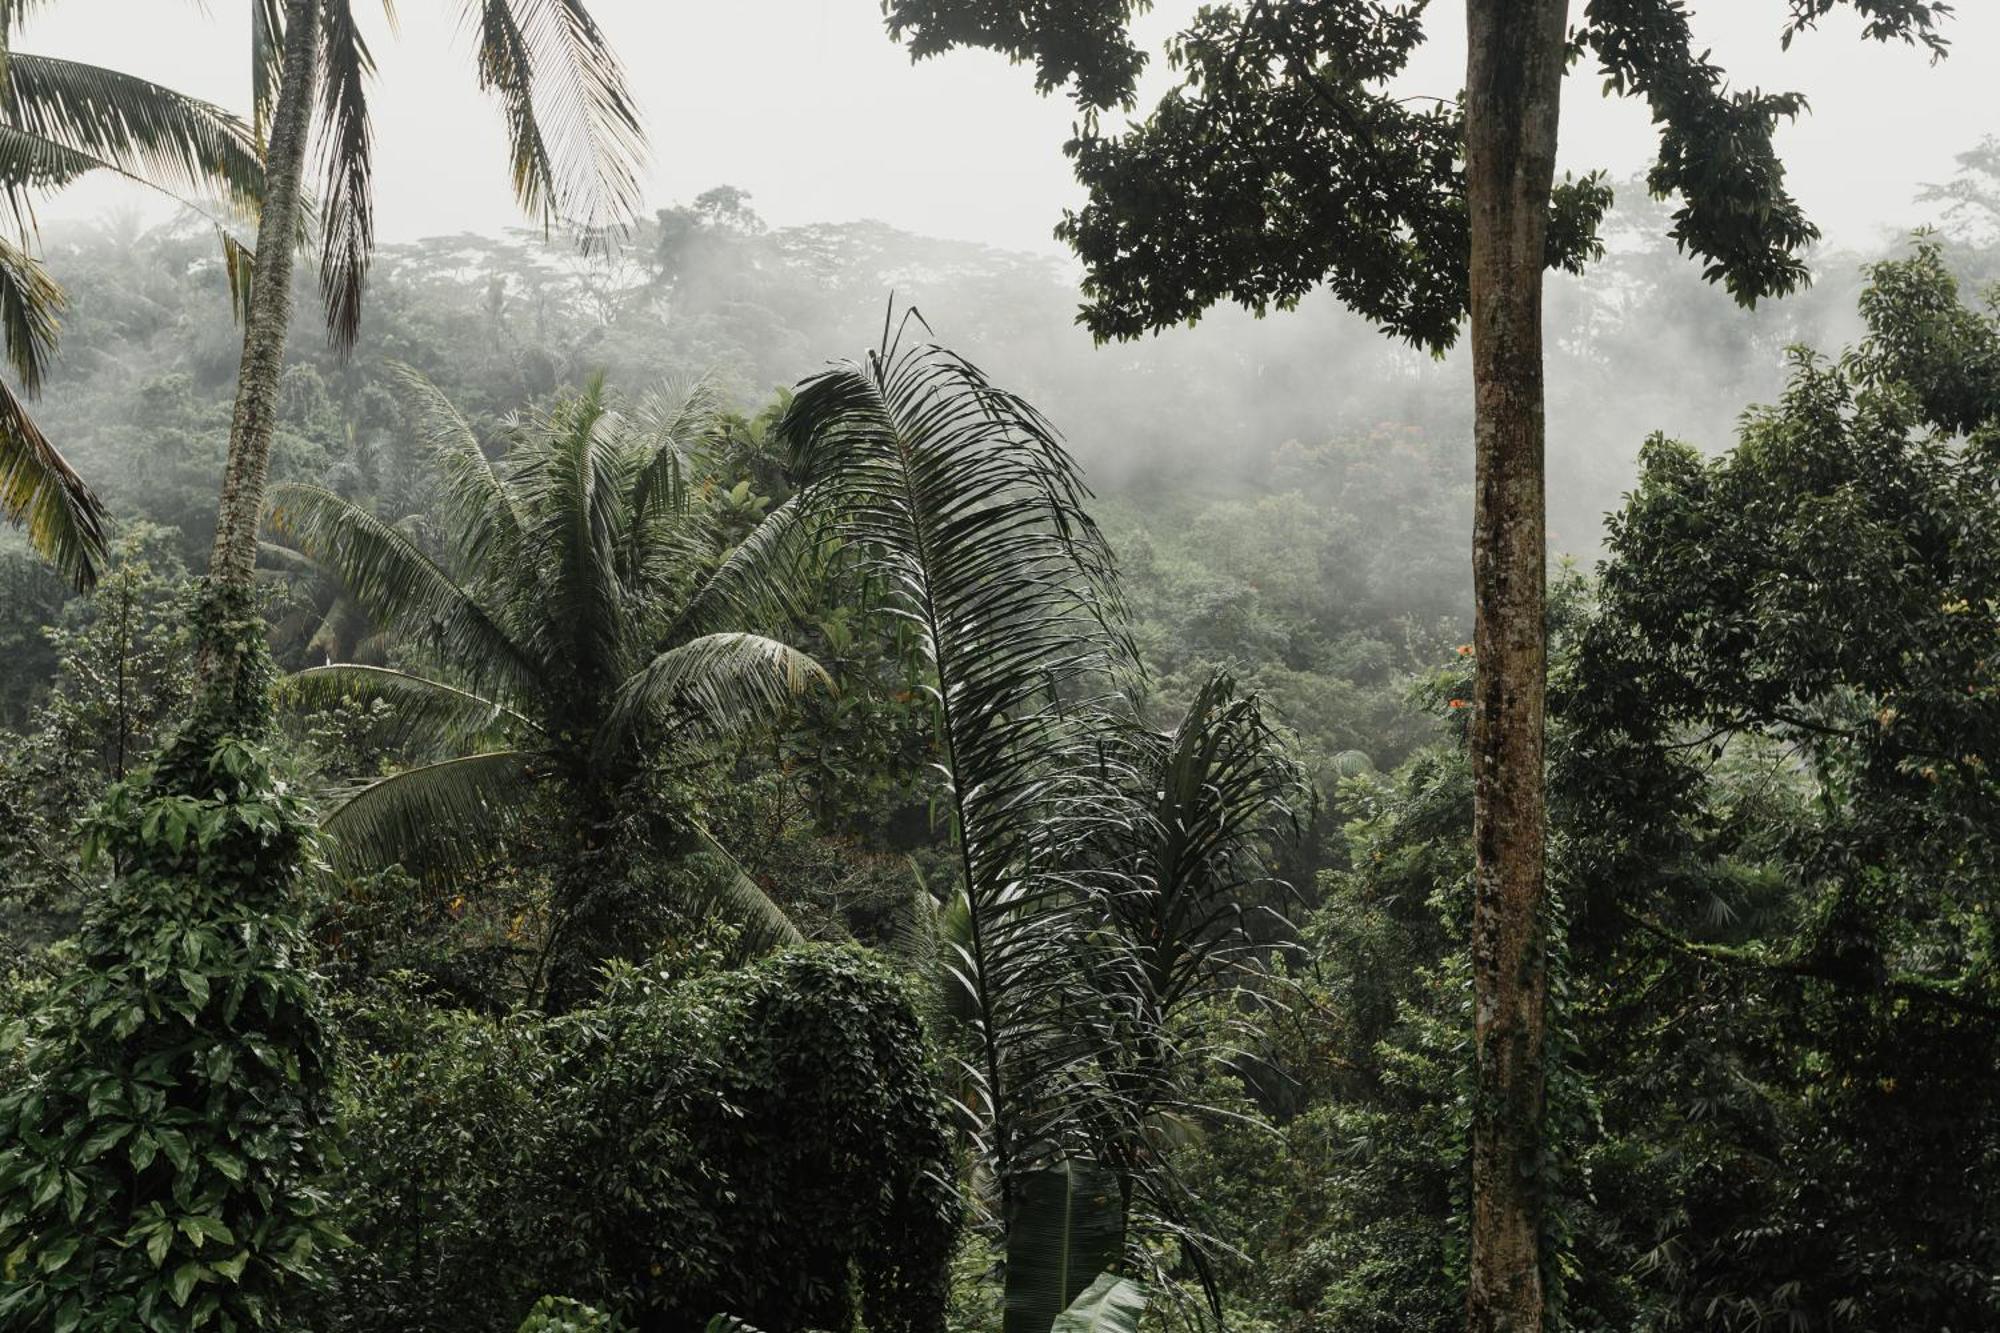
(1465, 650)
(1456, 703)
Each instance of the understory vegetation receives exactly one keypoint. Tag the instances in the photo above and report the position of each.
(794, 857)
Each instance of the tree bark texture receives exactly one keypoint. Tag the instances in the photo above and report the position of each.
(1513, 90)
(233, 559)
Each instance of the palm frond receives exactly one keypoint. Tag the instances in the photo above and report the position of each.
(447, 816)
(400, 586)
(573, 130)
(671, 423)
(41, 491)
(1219, 793)
(660, 440)
(965, 504)
(60, 119)
(768, 579)
(31, 306)
(267, 52)
(569, 488)
(668, 425)
(347, 158)
(719, 686)
(737, 897)
(479, 513)
(419, 706)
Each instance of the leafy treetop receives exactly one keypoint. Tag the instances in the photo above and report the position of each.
(1283, 158)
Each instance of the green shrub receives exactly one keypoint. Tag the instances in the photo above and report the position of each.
(169, 1113)
(768, 1142)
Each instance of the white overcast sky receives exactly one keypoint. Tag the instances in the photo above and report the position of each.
(808, 105)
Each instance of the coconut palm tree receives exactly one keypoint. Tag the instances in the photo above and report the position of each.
(1105, 871)
(60, 121)
(586, 634)
(574, 144)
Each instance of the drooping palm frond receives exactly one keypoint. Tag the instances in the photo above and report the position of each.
(737, 897)
(718, 686)
(768, 578)
(573, 131)
(60, 120)
(447, 816)
(267, 46)
(395, 582)
(965, 504)
(347, 163)
(418, 706)
(30, 308)
(1185, 882)
(40, 491)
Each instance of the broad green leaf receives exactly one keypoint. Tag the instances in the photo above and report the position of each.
(1065, 1225)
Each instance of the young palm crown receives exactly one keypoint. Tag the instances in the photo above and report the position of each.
(584, 629)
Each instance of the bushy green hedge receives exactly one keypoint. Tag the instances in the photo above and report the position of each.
(767, 1142)
(169, 1105)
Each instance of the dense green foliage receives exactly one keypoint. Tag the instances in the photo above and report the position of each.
(161, 1142)
(1773, 742)
(768, 1142)
(1778, 1002)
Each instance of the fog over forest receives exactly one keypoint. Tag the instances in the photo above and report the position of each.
(616, 718)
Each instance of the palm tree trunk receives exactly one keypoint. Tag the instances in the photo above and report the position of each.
(226, 676)
(1513, 91)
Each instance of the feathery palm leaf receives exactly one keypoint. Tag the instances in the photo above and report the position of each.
(347, 153)
(418, 706)
(446, 815)
(573, 130)
(40, 491)
(569, 488)
(763, 579)
(60, 120)
(394, 581)
(736, 896)
(30, 306)
(1219, 796)
(479, 512)
(719, 686)
(966, 505)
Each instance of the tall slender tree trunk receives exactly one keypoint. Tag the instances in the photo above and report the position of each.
(225, 675)
(1513, 90)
